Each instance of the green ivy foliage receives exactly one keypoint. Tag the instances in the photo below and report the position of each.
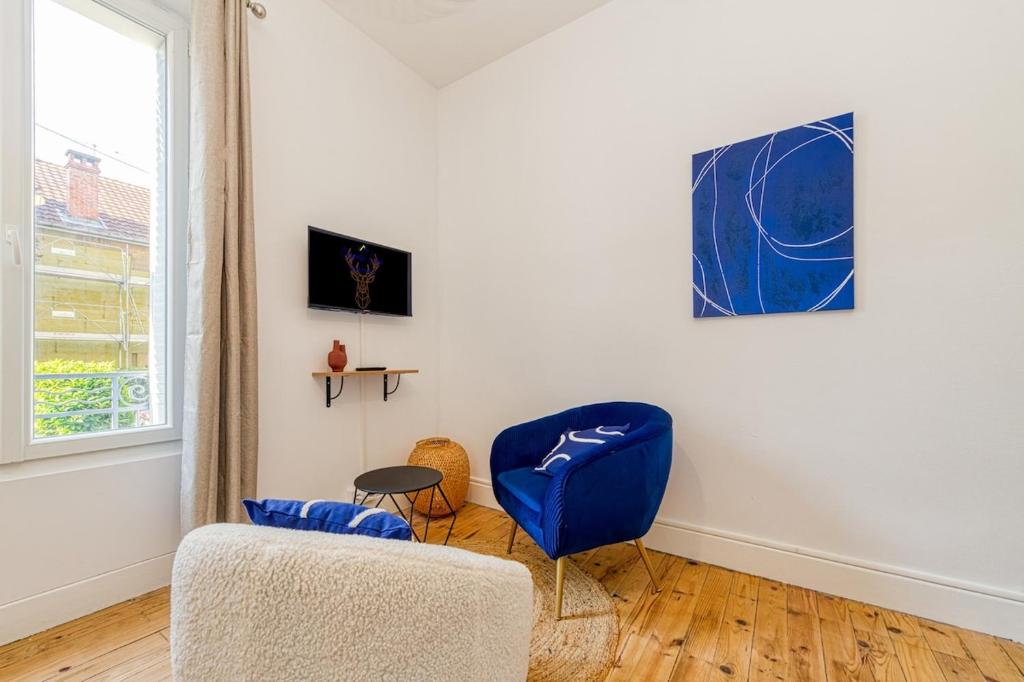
(72, 395)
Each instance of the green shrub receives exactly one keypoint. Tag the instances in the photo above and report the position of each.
(72, 395)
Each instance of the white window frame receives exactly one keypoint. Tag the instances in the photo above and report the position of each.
(16, 228)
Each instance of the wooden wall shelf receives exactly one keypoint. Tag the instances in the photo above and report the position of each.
(329, 376)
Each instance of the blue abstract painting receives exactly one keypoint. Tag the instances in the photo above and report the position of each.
(773, 222)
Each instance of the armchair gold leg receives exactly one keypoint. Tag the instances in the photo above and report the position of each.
(512, 537)
(647, 562)
(559, 582)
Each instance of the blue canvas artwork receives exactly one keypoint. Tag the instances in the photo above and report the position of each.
(773, 222)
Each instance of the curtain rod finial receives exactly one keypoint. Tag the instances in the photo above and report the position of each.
(257, 9)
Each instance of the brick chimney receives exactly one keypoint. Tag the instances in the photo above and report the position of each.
(83, 185)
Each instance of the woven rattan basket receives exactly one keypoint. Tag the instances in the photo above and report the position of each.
(450, 459)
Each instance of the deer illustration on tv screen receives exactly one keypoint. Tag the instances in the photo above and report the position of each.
(363, 273)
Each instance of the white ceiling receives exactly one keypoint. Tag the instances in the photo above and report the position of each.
(443, 40)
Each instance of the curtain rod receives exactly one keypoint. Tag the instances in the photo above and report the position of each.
(257, 9)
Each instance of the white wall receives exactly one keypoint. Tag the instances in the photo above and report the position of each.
(344, 138)
(884, 442)
(80, 533)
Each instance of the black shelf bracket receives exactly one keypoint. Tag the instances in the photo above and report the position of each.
(327, 383)
(398, 381)
(330, 396)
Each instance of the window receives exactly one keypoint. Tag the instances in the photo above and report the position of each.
(93, 197)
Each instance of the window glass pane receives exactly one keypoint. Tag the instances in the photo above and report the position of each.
(99, 281)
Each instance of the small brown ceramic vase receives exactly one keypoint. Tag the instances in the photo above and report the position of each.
(337, 358)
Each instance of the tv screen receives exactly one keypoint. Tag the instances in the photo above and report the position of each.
(352, 274)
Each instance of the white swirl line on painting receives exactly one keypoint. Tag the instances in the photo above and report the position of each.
(714, 235)
(767, 158)
(753, 165)
(802, 144)
(756, 216)
(807, 246)
(835, 292)
(703, 284)
(833, 131)
(841, 132)
(768, 240)
(713, 304)
(760, 214)
(715, 154)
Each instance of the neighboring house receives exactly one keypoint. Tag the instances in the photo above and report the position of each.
(92, 267)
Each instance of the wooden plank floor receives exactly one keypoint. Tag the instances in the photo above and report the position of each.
(708, 623)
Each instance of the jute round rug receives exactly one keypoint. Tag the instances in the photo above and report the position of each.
(579, 647)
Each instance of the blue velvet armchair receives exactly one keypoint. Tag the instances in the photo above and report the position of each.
(608, 497)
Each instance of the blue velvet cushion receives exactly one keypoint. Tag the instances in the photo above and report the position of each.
(327, 516)
(522, 494)
(527, 487)
(578, 445)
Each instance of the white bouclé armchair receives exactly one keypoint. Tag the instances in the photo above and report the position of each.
(252, 603)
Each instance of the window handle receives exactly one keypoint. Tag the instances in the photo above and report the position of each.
(14, 239)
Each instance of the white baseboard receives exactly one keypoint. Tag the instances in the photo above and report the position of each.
(949, 600)
(480, 492)
(39, 612)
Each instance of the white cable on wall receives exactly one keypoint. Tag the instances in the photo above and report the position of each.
(364, 464)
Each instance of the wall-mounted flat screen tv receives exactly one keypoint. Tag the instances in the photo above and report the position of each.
(351, 274)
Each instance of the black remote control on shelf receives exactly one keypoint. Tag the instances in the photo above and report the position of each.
(370, 369)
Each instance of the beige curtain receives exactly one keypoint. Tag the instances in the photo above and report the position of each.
(220, 417)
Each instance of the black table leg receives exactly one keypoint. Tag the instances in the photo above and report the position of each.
(402, 514)
(452, 510)
(430, 511)
(412, 507)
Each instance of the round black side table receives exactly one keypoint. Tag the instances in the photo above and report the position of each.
(402, 480)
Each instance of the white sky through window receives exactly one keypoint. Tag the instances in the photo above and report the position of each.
(98, 87)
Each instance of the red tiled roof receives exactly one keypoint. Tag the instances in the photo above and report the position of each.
(124, 208)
